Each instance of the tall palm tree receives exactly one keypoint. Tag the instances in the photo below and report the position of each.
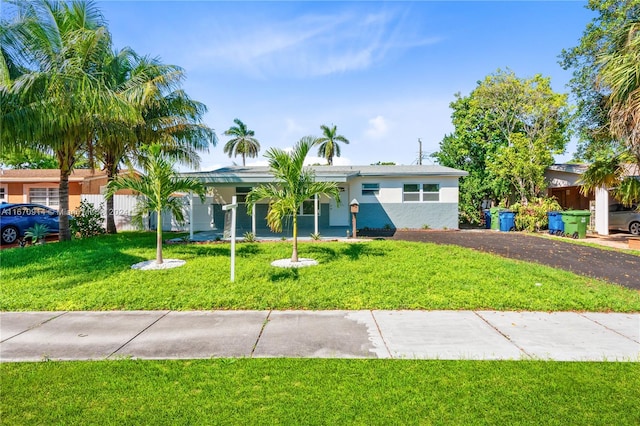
(243, 143)
(620, 74)
(158, 185)
(328, 143)
(169, 116)
(53, 95)
(294, 185)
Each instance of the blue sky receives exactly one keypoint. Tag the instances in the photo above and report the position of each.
(383, 72)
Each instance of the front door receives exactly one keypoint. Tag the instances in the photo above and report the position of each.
(339, 216)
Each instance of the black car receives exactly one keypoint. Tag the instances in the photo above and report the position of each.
(15, 219)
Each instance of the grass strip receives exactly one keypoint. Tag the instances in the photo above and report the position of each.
(305, 391)
(96, 274)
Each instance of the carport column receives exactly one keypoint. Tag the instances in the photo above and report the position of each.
(315, 214)
(253, 220)
(602, 210)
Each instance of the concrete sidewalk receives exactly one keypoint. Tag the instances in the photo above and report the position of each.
(477, 335)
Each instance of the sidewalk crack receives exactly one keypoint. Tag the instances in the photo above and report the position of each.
(386, 346)
(264, 324)
(138, 334)
(503, 335)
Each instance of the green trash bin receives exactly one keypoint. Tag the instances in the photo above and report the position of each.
(575, 223)
(495, 217)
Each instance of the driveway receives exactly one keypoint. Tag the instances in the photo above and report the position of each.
(613, 266)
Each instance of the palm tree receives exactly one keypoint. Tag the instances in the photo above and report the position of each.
(169, 116)
(158, 185)
(294, 185)
(328, 143)
(244, 143)
(50, 92)
(620, 74)
(614, 172)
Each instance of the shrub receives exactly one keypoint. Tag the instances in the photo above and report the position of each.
(533, 216)
(88, 220)
(249, 237)
(315, 236)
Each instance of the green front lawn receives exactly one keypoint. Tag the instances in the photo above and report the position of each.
(332, 392)
(95, 274)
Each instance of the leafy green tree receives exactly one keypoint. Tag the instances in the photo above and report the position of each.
(51, 95)
(27, 159)
(169, 116)
(506, 132)
(592, 108)
(294, 185)
(328, 143)
(159, 184)
(243, 142)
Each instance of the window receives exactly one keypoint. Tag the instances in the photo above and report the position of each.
(241, 193)
(46, 196)
(308, 209)
(430, 192)
(3, 194)
(411, 192)
(416, 192)
(370, 188)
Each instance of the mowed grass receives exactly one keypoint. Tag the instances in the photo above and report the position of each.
(304, 391)
(96, 274)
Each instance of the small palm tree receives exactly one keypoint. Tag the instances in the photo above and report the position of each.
(295, 184)
(328, 143)
(244, 142)
(158, 185)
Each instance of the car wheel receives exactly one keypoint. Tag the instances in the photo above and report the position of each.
(9, 235)
(634, 228)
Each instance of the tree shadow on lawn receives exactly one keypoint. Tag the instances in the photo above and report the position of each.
(284, 274)
(197, 250)
(352, 251)
(75, 271)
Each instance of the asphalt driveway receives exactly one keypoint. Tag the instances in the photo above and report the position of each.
(608, 265)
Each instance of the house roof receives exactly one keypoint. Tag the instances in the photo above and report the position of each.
(573, 168)
(239, 174)
(45, 175)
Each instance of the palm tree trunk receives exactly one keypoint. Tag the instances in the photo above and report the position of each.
(63, 210)
(159, 237)
(111, 223)
(243, 160)
(294, 254)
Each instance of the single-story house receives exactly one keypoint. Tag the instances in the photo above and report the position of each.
(388, 197)
(564, 184)
(40, 186)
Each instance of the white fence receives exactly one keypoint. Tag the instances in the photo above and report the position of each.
(124, 207)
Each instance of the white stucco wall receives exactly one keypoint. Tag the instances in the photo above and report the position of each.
(391, 188)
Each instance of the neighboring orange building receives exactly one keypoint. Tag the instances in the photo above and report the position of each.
(40, 186)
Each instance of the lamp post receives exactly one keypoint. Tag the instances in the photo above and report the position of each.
(355, 207)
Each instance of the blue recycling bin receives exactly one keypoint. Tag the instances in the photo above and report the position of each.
(556, 225)
(507, 220)
(487, 218)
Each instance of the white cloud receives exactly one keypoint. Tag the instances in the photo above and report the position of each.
(312, 44)
(378, 127)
